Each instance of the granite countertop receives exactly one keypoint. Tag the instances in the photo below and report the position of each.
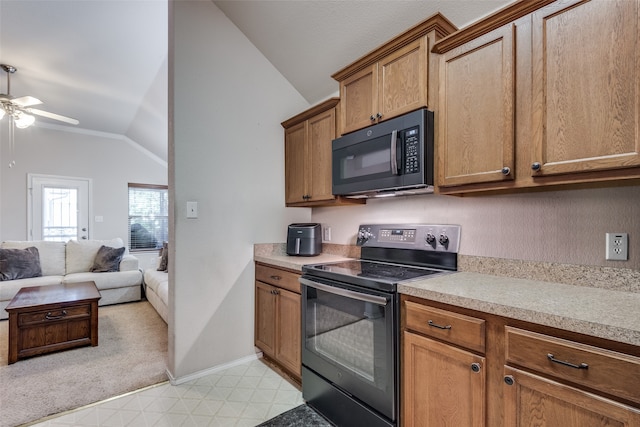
(597, 311)
(296, 262)
(591, 311)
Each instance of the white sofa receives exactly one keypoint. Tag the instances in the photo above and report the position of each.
(156, 287)
(71, 262)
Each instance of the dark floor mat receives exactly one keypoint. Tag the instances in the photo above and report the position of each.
(300, 416)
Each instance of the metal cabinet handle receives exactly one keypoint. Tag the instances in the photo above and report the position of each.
(50, 316)
(569, 364)
(372, 118)
(506, 170)
(475, 367)
(435, 325)
(378, 115)
(274, 277)
(536, 166)
(275, 292)
(508, 380)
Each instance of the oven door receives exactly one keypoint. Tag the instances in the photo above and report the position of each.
(350, 340)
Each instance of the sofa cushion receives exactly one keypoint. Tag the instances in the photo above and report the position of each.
(10, 288)
(52, 254)
(19, 263)
(113, 280)
(82, 253)
(107, 259)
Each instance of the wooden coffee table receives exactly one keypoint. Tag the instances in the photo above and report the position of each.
(44, 319)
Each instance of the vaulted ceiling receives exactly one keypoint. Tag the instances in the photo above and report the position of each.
(100, 61)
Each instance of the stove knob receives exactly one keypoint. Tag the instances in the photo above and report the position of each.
(430, 239)
(444, 240)
(363, 236)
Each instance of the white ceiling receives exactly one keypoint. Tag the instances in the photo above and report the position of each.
(97, 60)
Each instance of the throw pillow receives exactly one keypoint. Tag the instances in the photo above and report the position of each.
(164, 260)
(107, 259)
(19, 263)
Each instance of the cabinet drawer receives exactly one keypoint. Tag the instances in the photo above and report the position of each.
(599, 369)
(276, 277)
(54, 314)
(465, 331)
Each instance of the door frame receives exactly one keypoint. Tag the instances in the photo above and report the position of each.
(56, 178)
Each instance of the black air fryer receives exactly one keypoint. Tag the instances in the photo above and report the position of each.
(304, 239)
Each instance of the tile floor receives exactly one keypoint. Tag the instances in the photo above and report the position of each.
(244, 395)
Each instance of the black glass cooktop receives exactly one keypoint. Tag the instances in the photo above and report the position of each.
(372, 271)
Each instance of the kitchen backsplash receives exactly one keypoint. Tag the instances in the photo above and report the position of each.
(558, 227)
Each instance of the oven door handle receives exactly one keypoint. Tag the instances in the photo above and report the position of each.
(345, 292)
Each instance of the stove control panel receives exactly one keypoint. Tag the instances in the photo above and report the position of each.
(427, 237)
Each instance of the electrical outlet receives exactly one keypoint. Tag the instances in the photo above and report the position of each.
(617, 246)
(326, 236)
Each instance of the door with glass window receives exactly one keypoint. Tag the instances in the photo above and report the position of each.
(58, 208)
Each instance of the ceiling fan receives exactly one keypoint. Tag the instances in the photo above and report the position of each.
(19, 109)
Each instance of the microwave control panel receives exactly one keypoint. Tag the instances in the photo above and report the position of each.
(412, 151)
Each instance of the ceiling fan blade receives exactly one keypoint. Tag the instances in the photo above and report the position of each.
(53, 116)
(26, 101)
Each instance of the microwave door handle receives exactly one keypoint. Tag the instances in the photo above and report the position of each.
(344, 292)
(394, 152)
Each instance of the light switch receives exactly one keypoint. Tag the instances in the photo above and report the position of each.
(192, 209)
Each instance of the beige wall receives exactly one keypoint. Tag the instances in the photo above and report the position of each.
(561, 226)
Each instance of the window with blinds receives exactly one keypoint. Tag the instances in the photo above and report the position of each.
(148, 216)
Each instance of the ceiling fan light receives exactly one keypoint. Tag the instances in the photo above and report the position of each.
(24, 121)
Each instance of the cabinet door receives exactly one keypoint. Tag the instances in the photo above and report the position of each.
(531, 400)
(442, 385)
(476, 120)
(265, 319)
(359, 99)
(295, 160)
(402, 80)
(321, 131)
(586, 90)
(289, 331)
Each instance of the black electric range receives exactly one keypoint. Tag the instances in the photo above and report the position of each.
(351, 320)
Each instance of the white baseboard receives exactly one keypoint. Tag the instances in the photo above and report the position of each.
(213, 370)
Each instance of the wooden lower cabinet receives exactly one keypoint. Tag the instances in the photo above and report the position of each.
(527, 374)
(443, 385)
(278, 318)
(532, 400)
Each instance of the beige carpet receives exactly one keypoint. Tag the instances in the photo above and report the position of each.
(131, 354)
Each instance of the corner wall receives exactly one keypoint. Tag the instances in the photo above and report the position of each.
(227, 154)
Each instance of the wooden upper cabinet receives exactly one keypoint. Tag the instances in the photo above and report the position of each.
(541, 93)
(295, 154)
(307, 157)
(586, 90)
(359, 97)
(476, 121)
(321, 130)
(391, 80)
(402, 80)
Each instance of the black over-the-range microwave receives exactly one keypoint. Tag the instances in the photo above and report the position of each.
(394, 157)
